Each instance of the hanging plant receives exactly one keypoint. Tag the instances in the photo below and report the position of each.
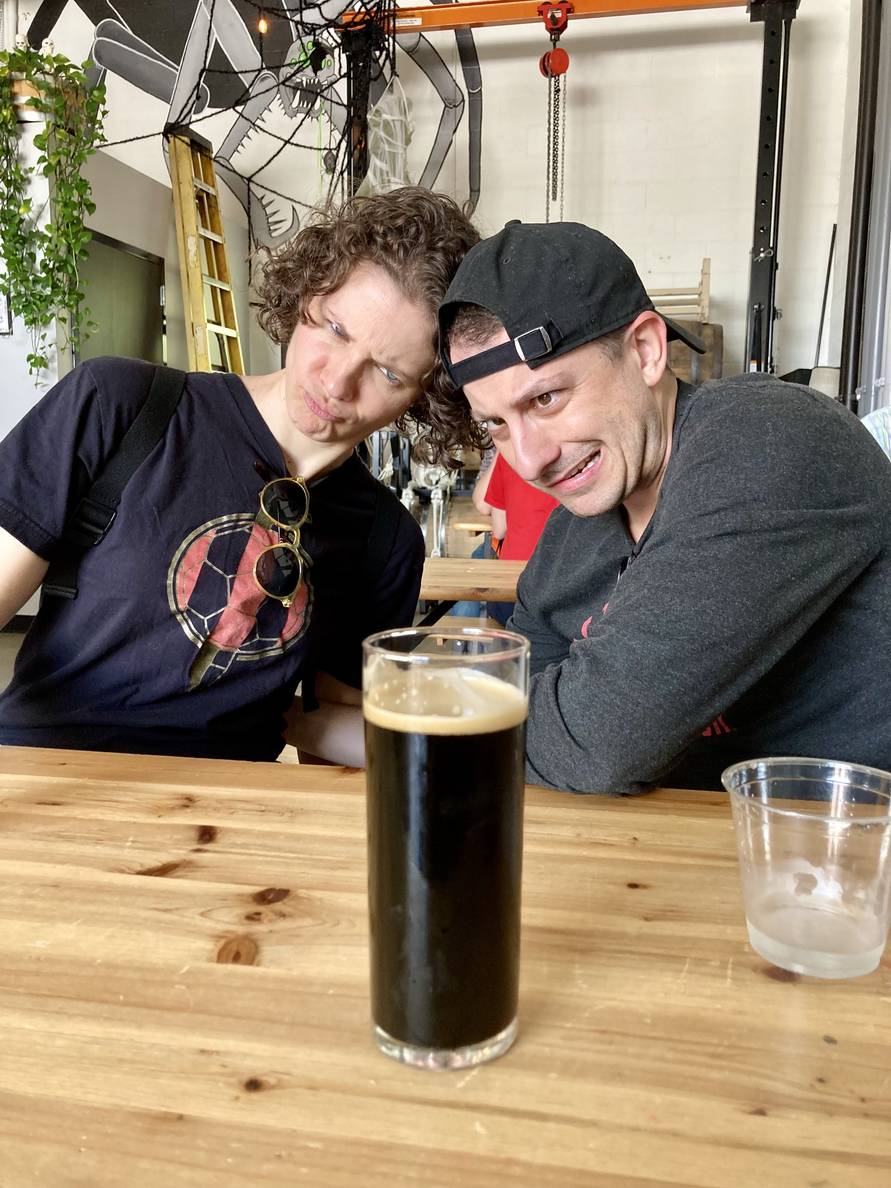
(40, 264)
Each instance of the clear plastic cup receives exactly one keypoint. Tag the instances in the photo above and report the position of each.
(814, 843)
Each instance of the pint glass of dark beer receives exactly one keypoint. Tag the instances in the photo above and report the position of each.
(445, 715)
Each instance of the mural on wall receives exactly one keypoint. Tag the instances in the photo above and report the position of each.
(293, 114)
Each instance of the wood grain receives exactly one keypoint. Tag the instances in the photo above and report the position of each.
(184, 1000)
(471, 523)
(455, 578)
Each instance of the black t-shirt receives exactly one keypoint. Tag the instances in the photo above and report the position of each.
(170, 647)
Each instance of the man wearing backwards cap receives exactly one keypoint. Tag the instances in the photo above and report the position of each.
(717, 582)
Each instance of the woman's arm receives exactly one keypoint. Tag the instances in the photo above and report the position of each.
(21, 572)
(478, 495)
(334, 732)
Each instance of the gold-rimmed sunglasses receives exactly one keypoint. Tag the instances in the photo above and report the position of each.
(278, 571)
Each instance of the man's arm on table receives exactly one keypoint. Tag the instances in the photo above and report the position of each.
(761, 527)
(547, 646)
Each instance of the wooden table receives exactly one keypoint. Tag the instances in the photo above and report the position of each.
(475, 524)
(453, 578)
(184, 1001)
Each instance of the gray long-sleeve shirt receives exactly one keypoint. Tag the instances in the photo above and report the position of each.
(752, 618)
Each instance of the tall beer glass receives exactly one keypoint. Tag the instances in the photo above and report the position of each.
(445, 714)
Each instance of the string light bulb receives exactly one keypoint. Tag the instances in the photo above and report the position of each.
(262, 24)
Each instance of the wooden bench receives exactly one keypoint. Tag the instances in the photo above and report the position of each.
(691, 301)
(690, 307)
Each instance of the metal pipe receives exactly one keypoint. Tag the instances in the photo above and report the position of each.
(873, 376)
(770, 328)
(852, 328)
(883, 397)
(478, 14)
(777, 17)
(825, 294)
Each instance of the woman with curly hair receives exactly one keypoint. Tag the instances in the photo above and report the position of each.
(251, 550)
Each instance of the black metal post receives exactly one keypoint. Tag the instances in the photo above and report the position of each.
(825, 294)
(760, 313)
(852, 324)
(777, 16)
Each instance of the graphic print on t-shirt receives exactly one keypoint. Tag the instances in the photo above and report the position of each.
(212, 591)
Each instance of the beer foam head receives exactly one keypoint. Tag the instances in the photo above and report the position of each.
(444, 701)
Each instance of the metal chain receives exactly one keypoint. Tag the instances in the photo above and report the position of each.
(555, 139)
(548, 150)
(555, 156)
(563, 145)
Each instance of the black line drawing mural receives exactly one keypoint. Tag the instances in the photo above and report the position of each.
(203, 57)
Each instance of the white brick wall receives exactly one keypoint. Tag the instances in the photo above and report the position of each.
(660, 151)
(661, 148)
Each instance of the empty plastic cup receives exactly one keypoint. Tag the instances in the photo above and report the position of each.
(814, 843)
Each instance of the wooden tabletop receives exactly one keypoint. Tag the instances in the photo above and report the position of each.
(184, 1001)
(455, 578)
(472, 524)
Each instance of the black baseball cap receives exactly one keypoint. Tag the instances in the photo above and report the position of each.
(554, 287)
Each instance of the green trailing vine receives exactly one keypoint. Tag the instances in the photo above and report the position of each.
(40, 263)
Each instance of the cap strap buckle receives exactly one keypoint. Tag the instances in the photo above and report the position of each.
(531, 344)
(543, 347)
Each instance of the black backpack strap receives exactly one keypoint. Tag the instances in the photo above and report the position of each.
(387, 514)
(384, 526)
(96, 511)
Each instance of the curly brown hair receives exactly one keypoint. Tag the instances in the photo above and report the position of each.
(448, 407)
(416, 236)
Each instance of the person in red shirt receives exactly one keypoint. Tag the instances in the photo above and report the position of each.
(524, 511)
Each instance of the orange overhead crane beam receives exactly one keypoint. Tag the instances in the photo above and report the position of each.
(477, 14)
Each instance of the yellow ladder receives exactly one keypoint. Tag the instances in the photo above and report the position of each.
(208, 304)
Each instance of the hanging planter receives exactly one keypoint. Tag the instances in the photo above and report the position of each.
(39, 258)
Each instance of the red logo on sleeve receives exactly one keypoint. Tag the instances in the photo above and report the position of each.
(719, 726)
